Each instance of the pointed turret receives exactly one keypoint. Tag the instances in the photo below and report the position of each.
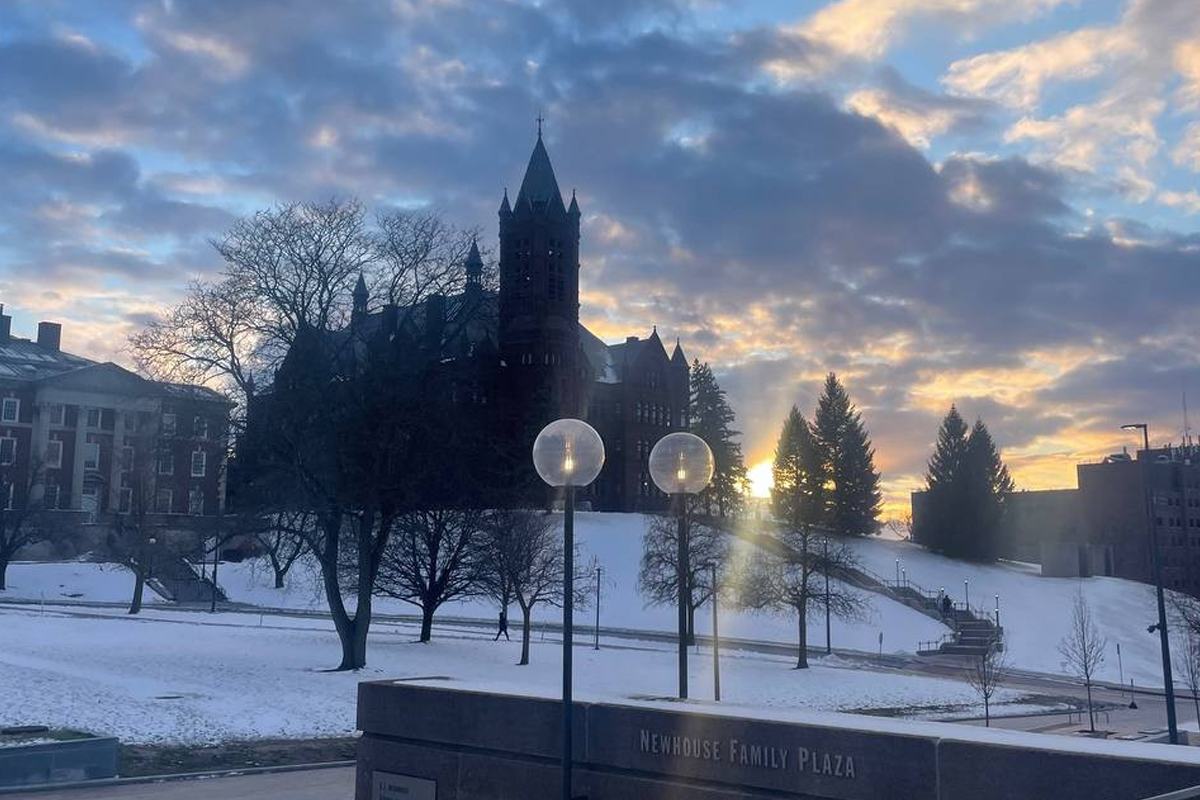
(505, 208)
(360, 297)
(539, 189)
(573, 210)
(678, 357)
(473, 267)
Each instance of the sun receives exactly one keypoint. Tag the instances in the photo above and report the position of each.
(760, 479)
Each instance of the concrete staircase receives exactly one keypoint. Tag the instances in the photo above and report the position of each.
(177, 580)
(973, 630)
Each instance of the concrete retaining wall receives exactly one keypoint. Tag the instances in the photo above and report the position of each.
(58, 762)
(442, 744)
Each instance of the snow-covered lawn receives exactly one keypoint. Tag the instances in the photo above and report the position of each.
(71, 580)
(614, 542)
(1036, 611)
(175, 676)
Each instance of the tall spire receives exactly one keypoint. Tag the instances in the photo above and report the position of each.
(361, 295)
(539, 185)
(473, 266)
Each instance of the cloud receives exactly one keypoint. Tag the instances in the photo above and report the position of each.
(916, 114)
(1189, 201)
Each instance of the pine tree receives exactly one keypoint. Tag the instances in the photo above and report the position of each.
(944, 506)
(853, 495)
(711, 419)
(798, 496)
(988, 485)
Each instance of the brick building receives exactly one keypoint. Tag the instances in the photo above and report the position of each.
(519, 357)
(77, 436)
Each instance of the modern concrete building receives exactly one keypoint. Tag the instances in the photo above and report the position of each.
(1102, 527)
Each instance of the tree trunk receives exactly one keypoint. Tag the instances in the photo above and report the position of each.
(524, 636)
(426, 623)
(987, 713)
(4, 558)
(278, 578)
(1195, 696)
(139, 586)
(802, 654)
(1091, 716)
(691, 628)
(342, 622)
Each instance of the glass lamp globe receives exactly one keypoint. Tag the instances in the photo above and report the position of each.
(681, 463)
(568, 452)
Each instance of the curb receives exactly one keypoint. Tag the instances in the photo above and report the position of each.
(176, 776)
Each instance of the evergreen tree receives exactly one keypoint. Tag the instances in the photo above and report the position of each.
(944, 505)
(798, 496)
(853, 495)
(712, 419)
(988, 485)
(967, 487)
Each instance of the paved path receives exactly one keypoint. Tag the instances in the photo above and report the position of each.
(318, 784)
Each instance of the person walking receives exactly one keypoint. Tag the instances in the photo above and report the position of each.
(503, 626)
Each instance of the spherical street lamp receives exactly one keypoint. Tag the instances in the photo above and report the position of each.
(682, 464)
(568, 453)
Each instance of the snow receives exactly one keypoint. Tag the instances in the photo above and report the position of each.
(72, 580)
(615, 542)
(1035, 611)
(192, 677)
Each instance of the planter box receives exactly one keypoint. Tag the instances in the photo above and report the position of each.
(51, 760)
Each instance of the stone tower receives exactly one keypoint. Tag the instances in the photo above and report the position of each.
(539, 300)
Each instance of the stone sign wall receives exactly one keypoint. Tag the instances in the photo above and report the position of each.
(421, 742)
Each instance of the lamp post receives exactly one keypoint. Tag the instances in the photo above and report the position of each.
(566, 454)
(828, 638)
(1156, 560)
(596, 643)
(997, 611)
(681, 464)
(712, 565)
(897, 572)
(967, 595)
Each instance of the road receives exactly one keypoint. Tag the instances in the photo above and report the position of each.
(318, 784)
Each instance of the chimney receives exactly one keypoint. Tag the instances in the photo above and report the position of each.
(50, 335)
(631, 339)
(5, 326)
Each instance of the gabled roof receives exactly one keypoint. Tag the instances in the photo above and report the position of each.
(540, 185)
(22, 359)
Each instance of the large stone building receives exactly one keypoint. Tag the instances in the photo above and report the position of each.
(1103, 528)
(88, 440)
(519, 356)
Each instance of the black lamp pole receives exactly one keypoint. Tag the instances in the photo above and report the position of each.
(1156, 559)
(681, 578)
(716, 636)
(596, 644)
(568, 727)
(828, 638)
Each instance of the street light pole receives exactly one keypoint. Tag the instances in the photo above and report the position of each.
(681, 580)
(1156, 559)
(596, 644)
(716, 636)
(828, 638)
(568, 453)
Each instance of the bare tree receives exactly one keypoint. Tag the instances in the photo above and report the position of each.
(418, 254)
(524, 551)
(1083, 649)
(985, 675)
(24, 520)
(901, 526)
(282, 538)
(1187, 662)
(433, 558)
(658, 579)
(784, 575)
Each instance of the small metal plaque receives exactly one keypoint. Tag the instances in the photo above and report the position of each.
(392, 786)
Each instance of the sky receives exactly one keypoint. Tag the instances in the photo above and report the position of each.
(991, 203)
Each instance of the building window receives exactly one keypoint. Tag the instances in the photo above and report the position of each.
(8, 450)
(125, 500)
(126, 457)
(199, 464)
(91, 455)
(196, 501)
(166, 464)
(10, 410)
(58, 414)
(54, 451)
(200, 427)
(50, 496)
(6, 496)
(168, 424)
(162, 502)
(93, 418)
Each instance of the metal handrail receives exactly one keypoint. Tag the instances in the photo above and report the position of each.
(1178, 794)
